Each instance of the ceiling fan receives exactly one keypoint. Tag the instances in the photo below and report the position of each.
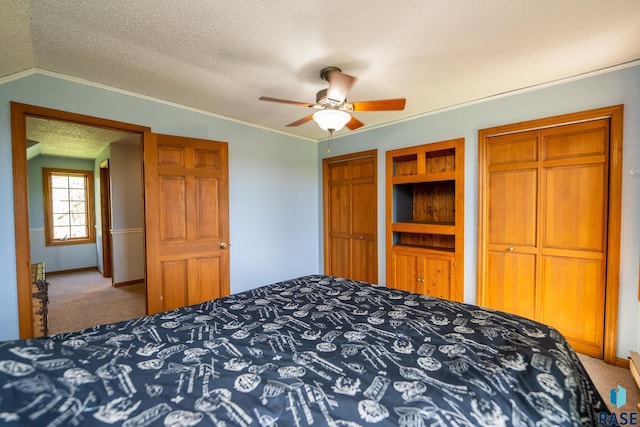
(332, 105)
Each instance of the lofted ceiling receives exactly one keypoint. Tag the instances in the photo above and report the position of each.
(220, 56)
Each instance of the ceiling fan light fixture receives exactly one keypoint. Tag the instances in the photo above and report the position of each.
(331, 120)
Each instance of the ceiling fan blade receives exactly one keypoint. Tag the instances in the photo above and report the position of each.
(285, 101)
(301, 121)
(354, 123)
(380, 105)
(339, 85)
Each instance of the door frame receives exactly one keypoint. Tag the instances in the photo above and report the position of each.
(19, 112)
(105, 214)
(615, 114)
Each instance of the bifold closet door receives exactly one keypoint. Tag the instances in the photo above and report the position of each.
(546, 227)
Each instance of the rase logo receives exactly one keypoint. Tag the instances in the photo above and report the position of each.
(618, 396)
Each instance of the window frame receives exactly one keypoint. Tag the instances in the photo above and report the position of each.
(48, 207)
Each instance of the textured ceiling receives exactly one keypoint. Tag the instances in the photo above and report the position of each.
(59, 138)
(221, 56)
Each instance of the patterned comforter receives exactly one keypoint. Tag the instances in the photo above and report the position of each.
(315, 350)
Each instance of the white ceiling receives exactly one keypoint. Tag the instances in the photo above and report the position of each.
(220, 56)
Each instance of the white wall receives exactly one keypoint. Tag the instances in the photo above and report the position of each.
(273, 181)
(618, 87)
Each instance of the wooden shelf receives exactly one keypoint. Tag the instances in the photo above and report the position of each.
(424, 227)
(427, 177)
(431, 249)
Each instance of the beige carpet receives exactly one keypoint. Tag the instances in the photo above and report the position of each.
(83, 299)
(605, 377)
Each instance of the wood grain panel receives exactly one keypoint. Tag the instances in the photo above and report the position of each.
(340, 210)
(437, 276)
(512, 207)
(405, 271)
(173, 208)
(363, 202)
(362, 251)
(512, 149)
(575, 207)
(434, 202)
(339, 172)
(340, 256)
(576, 140)
(171, 156)
(174, 284)
(512, 282)
(209, 159)
(203, 282)
(572, 300)
(207, 208)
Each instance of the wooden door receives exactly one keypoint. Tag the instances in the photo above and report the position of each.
(546, 209)
(350, 216)
(573, 230)
(186, 221)
(512, 194)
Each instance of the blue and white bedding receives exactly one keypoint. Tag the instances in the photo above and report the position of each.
(315, 350)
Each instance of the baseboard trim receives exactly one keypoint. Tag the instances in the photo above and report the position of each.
(72, 270)
(127, 283)
(622, 363)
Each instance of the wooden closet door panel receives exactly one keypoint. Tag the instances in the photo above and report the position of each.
(362, 252)
(340, 209)
(572, 300)
(511, 281)
(363, 202)
(340, 261)
(574, 207)
(512, 200)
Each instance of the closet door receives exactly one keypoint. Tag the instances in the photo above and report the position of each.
(512, 194)
(350, 216)
(546, 204)
(573, 231)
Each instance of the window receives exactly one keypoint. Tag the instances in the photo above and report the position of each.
(68, 206)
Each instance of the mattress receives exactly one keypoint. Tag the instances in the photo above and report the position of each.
(315, 350)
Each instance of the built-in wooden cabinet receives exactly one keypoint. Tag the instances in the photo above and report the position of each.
(425, 219)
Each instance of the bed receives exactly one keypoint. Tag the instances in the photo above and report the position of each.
(315, 350)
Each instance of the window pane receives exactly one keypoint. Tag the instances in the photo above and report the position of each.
(76, 182)
(61, 220)
(76, 194)
(78, 219)
(60, 207)
(60, 194)
(60, 233)
(59, 181)
(77, 207)
(78, 231)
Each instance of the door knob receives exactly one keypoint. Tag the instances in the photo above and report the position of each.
(223, 245)
(510, 248)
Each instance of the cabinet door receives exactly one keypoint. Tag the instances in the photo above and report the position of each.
(404, 270)
(436, 275)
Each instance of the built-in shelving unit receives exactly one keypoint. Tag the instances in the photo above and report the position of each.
(425, 219)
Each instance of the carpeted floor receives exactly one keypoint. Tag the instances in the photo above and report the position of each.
(83, 299)
(605, 377)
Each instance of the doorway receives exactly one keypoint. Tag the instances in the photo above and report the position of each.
(19, 115)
